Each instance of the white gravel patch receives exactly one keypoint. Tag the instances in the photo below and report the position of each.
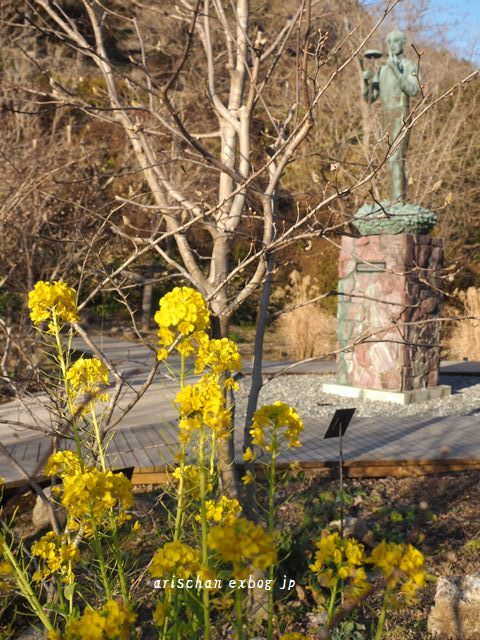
(304, 392)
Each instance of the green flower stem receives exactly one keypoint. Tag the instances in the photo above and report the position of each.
(383, 613)
(117, 552)
(203, 515)
(166, 620)
(97, 543)
(181, 484)
(238, 614)
(27, 591)
(331, 604)
(98, 439)
(63, 361)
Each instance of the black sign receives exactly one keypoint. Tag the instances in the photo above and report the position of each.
(371, 267)
(338, 425)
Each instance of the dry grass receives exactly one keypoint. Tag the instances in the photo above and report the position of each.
(464, 341)
(308, 330)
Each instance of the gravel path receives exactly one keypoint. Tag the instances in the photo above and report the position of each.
(304, 392)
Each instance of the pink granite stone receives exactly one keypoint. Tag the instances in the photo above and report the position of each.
(397, 356)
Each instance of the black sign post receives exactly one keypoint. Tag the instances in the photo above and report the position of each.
(336, 429)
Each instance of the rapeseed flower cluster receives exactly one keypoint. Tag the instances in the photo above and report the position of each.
(243, 544)
(191, 480)
(400, 562)
(183, 314)
(174, 559)
(218, 356)
(273, 423)
(112, 622)
(89, 494)
(48, 298)
(59, 555)
(63, 463)
(86, 377)
(224, 510)
(340, 558)
(92, 494)
(203, 404)
(293, 635)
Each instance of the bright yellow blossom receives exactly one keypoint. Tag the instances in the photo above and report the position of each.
(47, 298)
(92, 494)
(112, 622)
(183, 313)
(293, 635)
(203, 404)
(340, 558)
(268, 424)
(248, 478)
(218, 356)
(86, 377)
(63, 463)
(400, 563)
(243, 544)
(248, 455)
(59, 555)
(174, 559)
(225, 510)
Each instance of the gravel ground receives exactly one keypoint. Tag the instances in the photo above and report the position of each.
(304, 392)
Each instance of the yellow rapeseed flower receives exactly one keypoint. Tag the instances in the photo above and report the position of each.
(47, 298)
(340, 558)
(224, 510)
(293, 635)
(248, 478)
(93, 493)
(63, 463)
(174, 559)
(243, 544)
(112, 622)
(203, 404)
(400, 563)
(59, 555)
(218, 356)
(86, 376)
(273, 423)
(183, 313)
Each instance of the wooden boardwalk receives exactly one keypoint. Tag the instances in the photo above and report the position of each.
(373, 447)
(146, 439)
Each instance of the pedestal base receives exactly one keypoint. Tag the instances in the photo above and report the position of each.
(384, 395)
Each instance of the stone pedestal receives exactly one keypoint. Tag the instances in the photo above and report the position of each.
(388, 299)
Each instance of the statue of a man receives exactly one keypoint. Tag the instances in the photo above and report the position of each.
(395, 82)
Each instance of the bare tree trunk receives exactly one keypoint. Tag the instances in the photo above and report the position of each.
(257, 377)
(146, 305)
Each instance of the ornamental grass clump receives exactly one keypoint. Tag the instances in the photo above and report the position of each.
(79, 582)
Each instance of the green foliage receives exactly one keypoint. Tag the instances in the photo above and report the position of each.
(349, 630)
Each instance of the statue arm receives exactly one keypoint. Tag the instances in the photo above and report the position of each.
(409, 81)
(370, 86)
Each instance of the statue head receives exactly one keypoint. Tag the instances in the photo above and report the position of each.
(395, 41)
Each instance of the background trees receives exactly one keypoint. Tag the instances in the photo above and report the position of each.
(151, 143)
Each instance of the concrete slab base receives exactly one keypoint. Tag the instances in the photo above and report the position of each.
(384, 395)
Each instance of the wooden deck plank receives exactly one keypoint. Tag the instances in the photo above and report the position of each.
(137, 447)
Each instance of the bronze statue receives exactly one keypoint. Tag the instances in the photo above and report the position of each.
(394, 82)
